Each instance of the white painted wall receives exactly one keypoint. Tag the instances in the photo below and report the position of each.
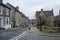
(1, 21)
(7, 25)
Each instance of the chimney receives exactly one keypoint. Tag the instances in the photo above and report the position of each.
(17, 7)
(1, 1)
(41, 9)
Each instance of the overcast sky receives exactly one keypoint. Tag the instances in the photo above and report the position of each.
(29, 7)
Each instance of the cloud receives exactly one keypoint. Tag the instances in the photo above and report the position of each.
(29, 7)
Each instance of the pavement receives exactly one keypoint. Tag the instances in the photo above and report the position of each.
(34, 30)
(10, 29)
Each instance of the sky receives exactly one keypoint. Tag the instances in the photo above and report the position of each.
(29, 7)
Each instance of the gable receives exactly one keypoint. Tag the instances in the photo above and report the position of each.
(42, 14)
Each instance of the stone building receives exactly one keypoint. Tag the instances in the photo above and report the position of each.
(24, 20)
(17, 17)
(4, 16)
(44, 18)
(12, 13)
(10, 16)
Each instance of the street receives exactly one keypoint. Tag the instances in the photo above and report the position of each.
(29, 19)
(32, 34)
(38, 37)
(20, 34)
(10, 34)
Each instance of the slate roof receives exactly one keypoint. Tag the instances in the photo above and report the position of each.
(47, 13)
(24, 16)
(13, 7)
(38, 12)
(4, 5)
(16, 9)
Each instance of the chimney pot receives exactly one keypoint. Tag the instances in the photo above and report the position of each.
(17, 7)
(41, 9)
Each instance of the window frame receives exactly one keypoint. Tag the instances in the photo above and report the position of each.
(7, 11)
(1, 9)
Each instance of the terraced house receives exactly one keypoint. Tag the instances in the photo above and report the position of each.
(12, 13)
(4, 16)
(24, 20)
(16, 16)
(10, 16)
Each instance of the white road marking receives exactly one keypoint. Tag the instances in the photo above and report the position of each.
(19, 36)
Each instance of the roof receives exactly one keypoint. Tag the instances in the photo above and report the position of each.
(47, 13)
(13, 7)
(4, 5)
(23, 15)
(38, 12)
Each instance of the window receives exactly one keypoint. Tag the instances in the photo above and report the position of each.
(0, 22)
(0, 9)
(7, 21)
(7, 11)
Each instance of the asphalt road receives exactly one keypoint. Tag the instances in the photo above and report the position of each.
(10, 34)
(38, 37)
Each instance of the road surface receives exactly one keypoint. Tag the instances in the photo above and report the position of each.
(10, 34)
(38, 37)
